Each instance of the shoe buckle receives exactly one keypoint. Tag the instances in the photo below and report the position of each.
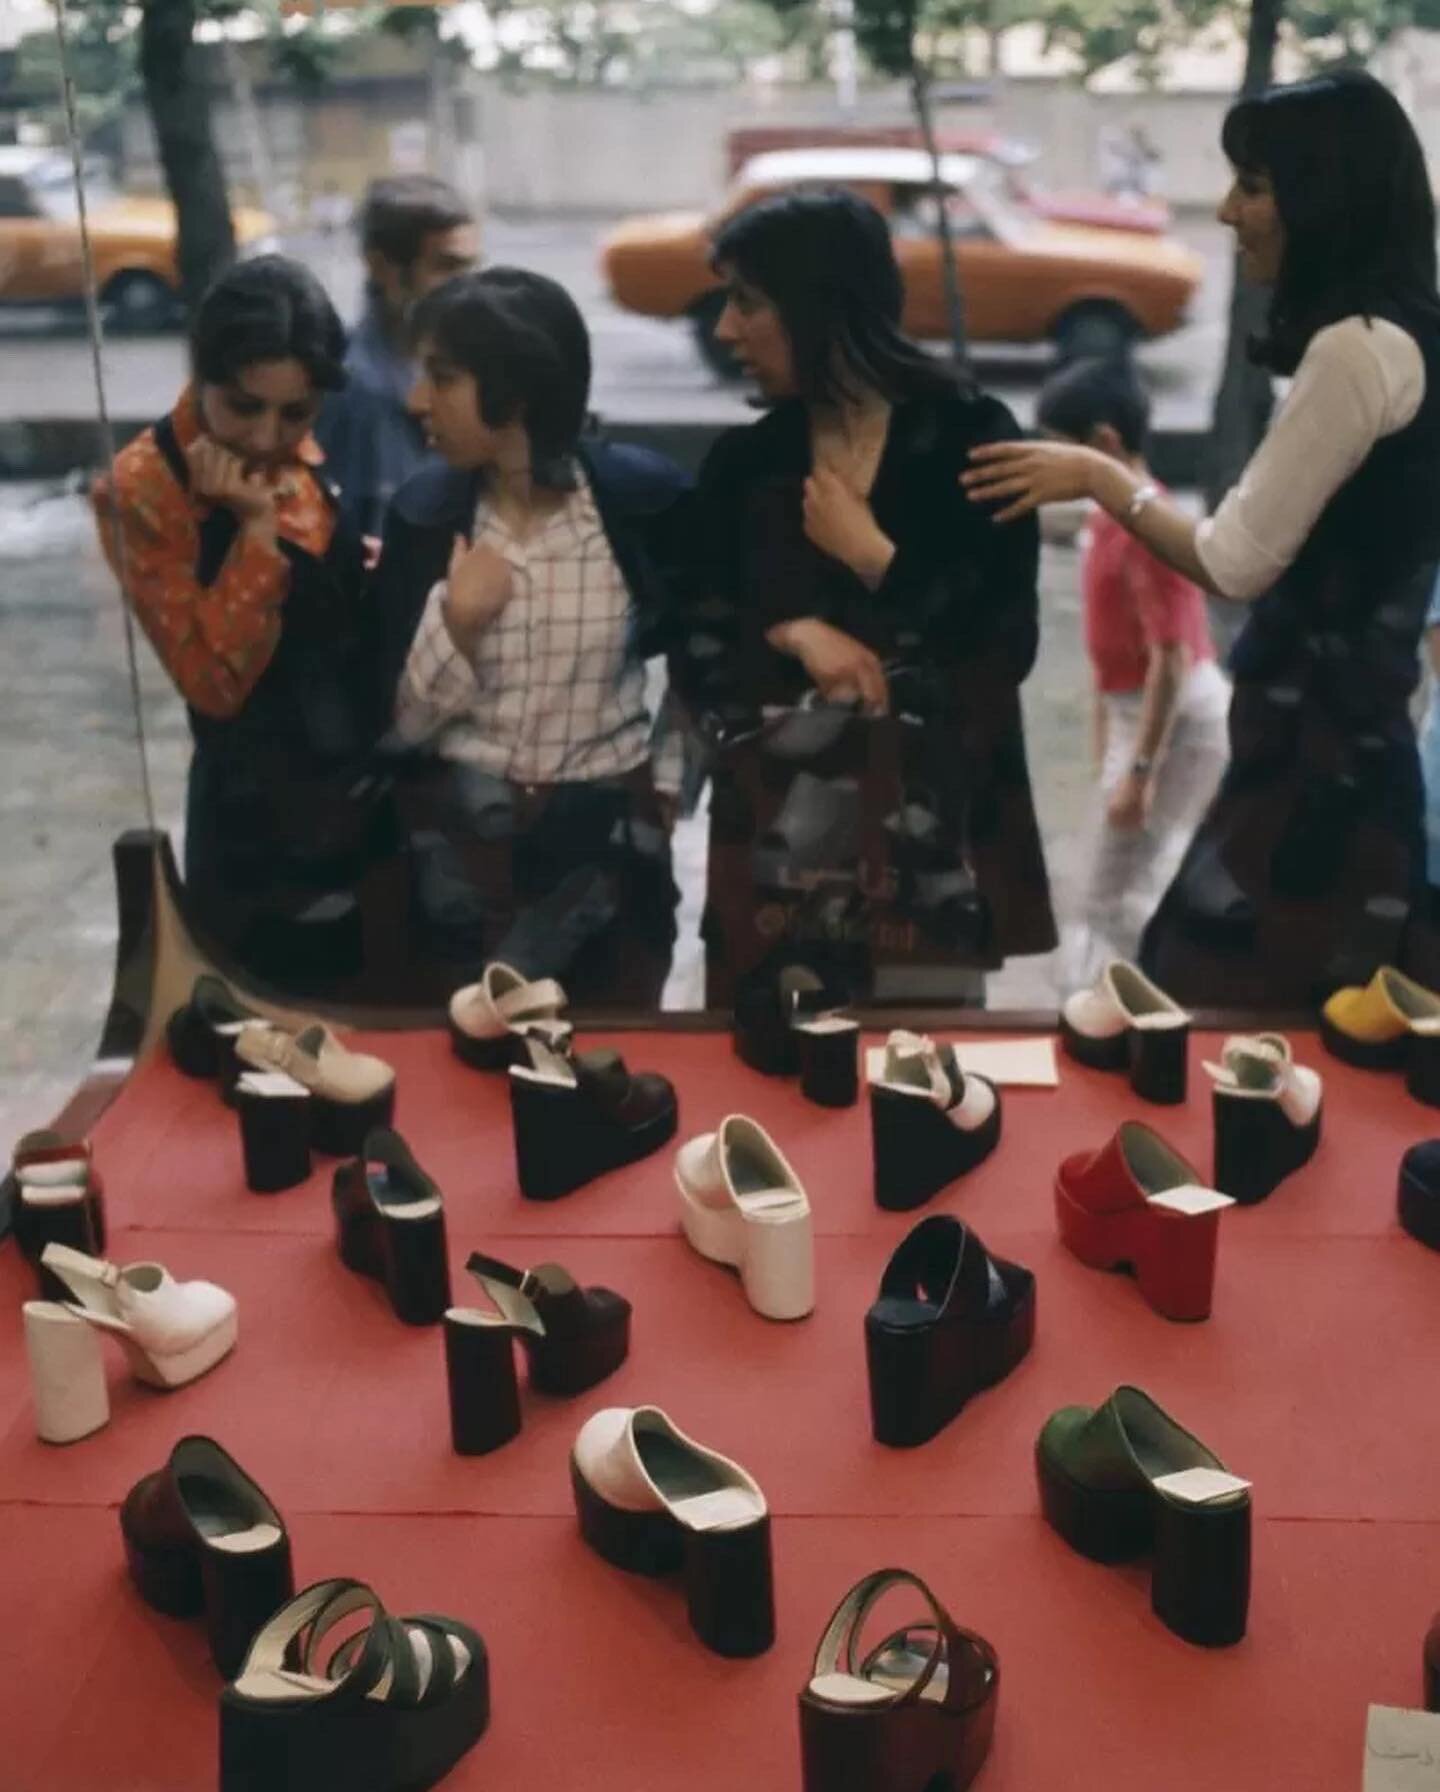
(110, 1276)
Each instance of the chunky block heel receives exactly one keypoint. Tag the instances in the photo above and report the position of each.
(481, 1054)
(490, 1020)
(67, 1375)
(1174, 1263)
(651, 1500)
(1257, 1147)
(729, 1588)
(1201, 1581)
(573, 1336)
(574, 1118)
(1123, 1480)
(56, 1198)
(275, 1129)
(340, 1128)
(1158, 1057)
(390, 1226)
(829, 1061)
(640, 1542)
(197, 1033)
(771, 1009)
(1422, 1068)
(914, 1714)
(480, 1375)
(1105, 1052)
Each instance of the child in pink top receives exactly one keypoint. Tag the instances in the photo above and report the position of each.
(1160, 701)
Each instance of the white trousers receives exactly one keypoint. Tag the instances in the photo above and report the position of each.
(1130, 868)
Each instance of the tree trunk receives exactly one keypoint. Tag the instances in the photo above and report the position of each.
(179, 109)
(949, 266)
(1245, 396)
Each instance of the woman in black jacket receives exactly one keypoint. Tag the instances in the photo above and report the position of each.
(834, 557)
(520, 592)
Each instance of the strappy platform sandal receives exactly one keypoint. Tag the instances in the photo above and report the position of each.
(390, 1708)
(202, 1540)
(390, 1225)
(930, 1122)
(951, 1320)
(352, 1093)
(171, 1332)
(914, 1714)
(576, 1116)
(1267, 1115)
(788, 1022)
(651, 1500)
(58, 1199)
(490, 1019)
(573, 1337)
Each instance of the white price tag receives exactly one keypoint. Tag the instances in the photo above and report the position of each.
(1200, 1485)
(1402, 1750)
(1190, 1199)
(270, 1082)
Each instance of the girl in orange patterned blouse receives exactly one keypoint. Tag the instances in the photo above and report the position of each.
(227, 542)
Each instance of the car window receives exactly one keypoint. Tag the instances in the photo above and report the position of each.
(914, 214)
(15, 199)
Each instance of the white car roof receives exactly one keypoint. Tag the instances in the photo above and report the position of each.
(907, 167)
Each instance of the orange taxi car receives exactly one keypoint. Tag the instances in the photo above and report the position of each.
(1025, 279)
(133, 240)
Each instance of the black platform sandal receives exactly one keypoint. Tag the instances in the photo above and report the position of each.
(390, 1225)
(787, 1022)
(1267, 1115)
(489, 1020)
(573, 1337)
(202, 1539)
(391, 1709)
(914, 1714)
(1124, 1480)
(653, 1501)
(201, 1034)
(950, 1320)
(929, 1121)
(577, 1116)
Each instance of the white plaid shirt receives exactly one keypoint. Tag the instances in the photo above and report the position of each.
(555, 692)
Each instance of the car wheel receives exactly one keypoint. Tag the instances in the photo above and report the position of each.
(138, 302)
(704, 315)
(1099, 331)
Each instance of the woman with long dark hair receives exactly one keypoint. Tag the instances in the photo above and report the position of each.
(227, 539)
(836, 560)
(1304, 872)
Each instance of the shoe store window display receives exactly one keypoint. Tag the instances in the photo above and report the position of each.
(522, 588)
(1160, 702)
(1330, 537)
(856, 631)
(225, 533)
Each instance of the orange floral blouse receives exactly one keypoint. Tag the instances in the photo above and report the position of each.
(214, 640)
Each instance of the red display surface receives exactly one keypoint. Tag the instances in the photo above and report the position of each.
(1314, 1378)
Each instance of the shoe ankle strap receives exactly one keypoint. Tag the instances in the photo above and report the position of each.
(970, 1662)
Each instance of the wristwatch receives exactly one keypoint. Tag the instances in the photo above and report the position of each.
(1141, 497)
(1141, 768)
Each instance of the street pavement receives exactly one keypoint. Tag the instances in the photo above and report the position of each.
(646, 370)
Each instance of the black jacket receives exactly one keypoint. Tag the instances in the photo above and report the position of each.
(634, 489)
(958, 609)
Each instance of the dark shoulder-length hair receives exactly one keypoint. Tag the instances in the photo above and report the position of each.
(1354, 197)
(824, 260)
(523, 339)
(267, 309)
